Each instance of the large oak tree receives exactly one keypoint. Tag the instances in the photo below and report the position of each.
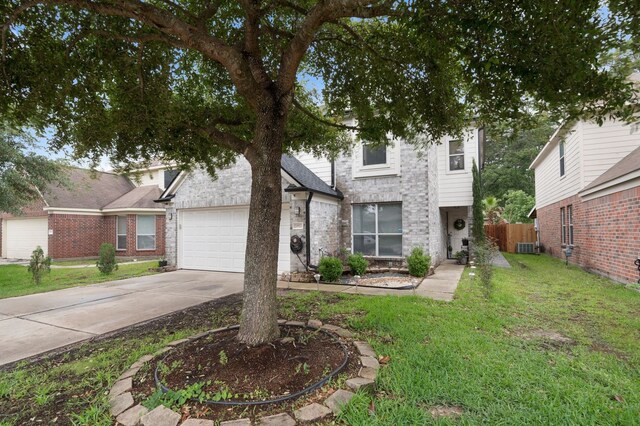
(205, 81)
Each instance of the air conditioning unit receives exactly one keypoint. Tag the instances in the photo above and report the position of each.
(525, 248)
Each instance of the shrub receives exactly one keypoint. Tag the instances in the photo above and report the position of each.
(330, 268)
(107, 259)
(418, 262)
(484, 254)
(358, 264)
(39, 265)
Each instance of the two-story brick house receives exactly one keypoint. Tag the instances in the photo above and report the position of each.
(381, 202)
(587, 183)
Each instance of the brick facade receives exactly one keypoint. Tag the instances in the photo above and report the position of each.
(416, 188)
(411, 187)
(606, 233)
(81, 235)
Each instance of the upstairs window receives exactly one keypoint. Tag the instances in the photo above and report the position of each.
(561, 149)
(169, 176)
(563, 226)
(456, 155)
(374, 155)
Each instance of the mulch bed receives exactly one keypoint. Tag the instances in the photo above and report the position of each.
(300, 358)
(250, 373)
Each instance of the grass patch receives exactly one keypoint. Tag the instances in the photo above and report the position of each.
(15, 280)
(553, 345)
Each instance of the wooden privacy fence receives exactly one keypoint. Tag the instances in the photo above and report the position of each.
(507, 235)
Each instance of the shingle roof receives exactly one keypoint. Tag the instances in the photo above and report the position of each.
(87, 189)
(139, 198)
(628, 164)
(306, 178)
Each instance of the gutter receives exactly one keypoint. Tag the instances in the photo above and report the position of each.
(338, 195)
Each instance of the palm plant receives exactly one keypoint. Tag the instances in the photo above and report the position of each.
(492, 211)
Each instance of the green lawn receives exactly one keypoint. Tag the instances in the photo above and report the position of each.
(15, 280)
(503, 361)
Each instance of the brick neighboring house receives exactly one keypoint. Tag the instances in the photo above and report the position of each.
(381, 202)
(587, 180)
(72, 221)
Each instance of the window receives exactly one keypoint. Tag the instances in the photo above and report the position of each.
(570, 220)
(377, 229)
(121, 232)
(561, 148)
(146, 233)
(374, 155)
(456, 155)
(169, 176)
(563, 227)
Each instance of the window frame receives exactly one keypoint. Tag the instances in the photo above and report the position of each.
(463, 155)
(378, 165)
(376, 234)
(118, 234)
(570, 224)
(563, 227)
(561, 153)
(138, 234)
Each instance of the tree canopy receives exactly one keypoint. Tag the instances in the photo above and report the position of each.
(517, 205)
(23, 173)
(186, 80)
(509, 151)
(203, 81)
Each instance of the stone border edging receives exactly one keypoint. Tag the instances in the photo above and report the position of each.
(127, 413)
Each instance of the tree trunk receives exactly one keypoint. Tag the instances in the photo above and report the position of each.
(259, 319)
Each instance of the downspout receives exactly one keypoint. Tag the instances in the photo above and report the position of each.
(333, 174)
(307, 215)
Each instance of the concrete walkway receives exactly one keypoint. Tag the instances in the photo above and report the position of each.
(37, 323)
(500, 261)
(439, 286)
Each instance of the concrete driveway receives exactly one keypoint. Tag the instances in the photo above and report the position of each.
(38, 323)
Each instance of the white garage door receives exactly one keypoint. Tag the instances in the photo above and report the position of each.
(24, 235)
(215, 239)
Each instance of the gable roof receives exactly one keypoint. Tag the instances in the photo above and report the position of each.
(628, 165)
(303, 177)
(87, 189)
(306, 179)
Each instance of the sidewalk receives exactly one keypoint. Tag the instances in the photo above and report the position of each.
(439, 286)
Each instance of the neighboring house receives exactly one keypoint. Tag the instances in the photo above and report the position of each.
(73, 220)
(587, 180)
(381, 202)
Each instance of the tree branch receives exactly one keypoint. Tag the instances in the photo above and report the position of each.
(311, 115)
(225, 139)
(321, 13)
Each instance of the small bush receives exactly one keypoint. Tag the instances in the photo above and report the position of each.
(330, 268)
(418, 262)
(39, 265)
(107, 259)
(358, 264)
(484, 254)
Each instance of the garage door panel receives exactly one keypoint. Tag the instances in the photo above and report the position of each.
(215, 239)
(24, 235)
